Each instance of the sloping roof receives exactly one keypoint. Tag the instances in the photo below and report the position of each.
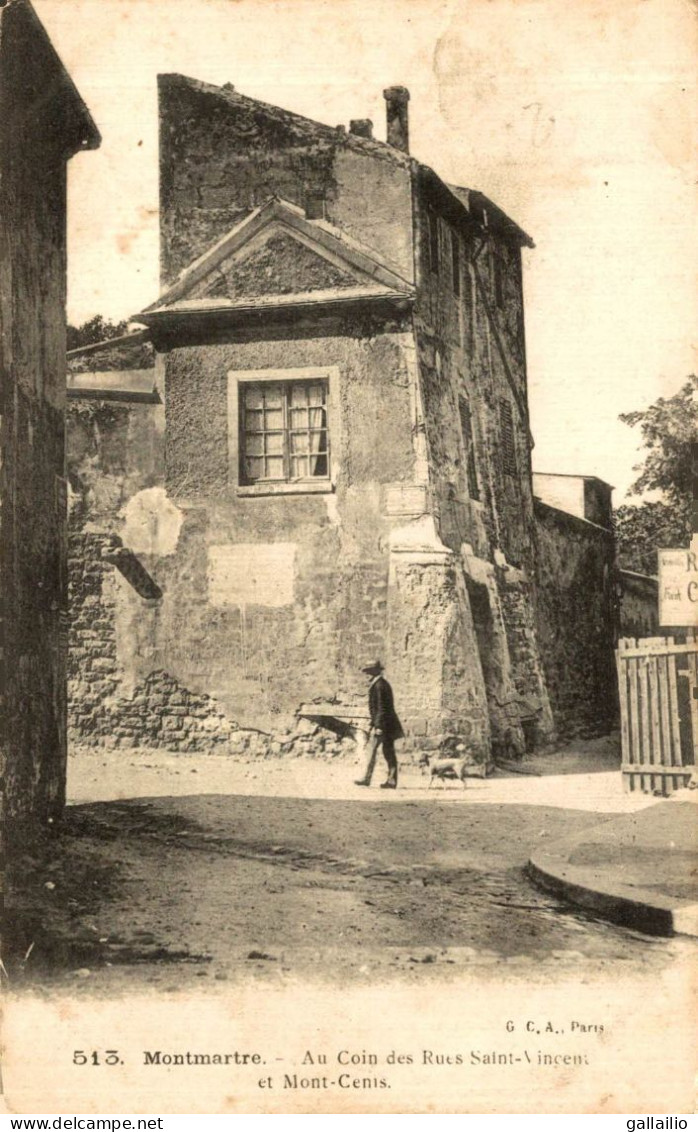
(481, 207)
(293, 122)
(126, 352)
(574, 476)
(473, 203)
(19, 27)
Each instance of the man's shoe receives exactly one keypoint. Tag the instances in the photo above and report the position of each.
(388, 785)
(361, 782)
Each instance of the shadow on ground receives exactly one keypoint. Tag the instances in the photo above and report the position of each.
(162, 891)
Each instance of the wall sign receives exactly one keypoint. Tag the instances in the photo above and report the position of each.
(678, 587)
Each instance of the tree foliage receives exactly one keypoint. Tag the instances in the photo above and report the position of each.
(669, 427)
(134, 353)
(669, 430)
(643, 529)
(97, 329)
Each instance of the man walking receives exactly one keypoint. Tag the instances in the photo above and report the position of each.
(385, 726)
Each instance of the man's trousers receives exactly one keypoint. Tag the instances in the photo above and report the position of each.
(388, 744)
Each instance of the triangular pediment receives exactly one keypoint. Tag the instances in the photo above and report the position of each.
(277, 255)
(279, 263)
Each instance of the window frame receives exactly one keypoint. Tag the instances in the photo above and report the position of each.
(237, 381)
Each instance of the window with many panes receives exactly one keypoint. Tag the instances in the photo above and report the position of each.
(284, 433)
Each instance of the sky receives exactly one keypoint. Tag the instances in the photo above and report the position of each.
(578, 117)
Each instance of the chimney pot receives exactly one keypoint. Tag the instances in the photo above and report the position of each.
(396, 99)
(361, 127)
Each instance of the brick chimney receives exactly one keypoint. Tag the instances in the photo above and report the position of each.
(396, 99)
(361, 127)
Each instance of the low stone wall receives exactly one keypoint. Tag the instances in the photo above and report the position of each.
(92, 666)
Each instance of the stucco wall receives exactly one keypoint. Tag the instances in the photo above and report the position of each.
(306, 630)
(576, 620)
(262, 658)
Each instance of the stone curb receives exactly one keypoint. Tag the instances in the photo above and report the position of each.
(643, 909)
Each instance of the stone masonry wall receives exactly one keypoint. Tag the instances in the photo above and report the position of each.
(527, 664)
(222, 155)
(470, 342)
(434, 661)
(38, 134)
(639, 605)
(92, 665)
(577, 620)
(159, 711)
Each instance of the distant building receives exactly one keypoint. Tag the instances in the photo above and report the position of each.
(43, 122)
(587, 497)
(346, 454)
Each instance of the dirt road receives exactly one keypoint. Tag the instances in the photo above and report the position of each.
(162, 892)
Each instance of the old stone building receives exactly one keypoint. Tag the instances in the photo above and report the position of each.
(43, 123)
(345, 456)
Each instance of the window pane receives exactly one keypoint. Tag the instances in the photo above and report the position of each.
(316, 395)
(299, 418)
(273, 395)
(285, 434)
(275, 443)
(318, 441)
(274, 467)
(299, 394)
(253, 397)
(254, 444)
(299, 442)
(299, 467)
(318, 465)
(254, 468)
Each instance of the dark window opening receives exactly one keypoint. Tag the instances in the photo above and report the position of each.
(284, 436)
(455, 262)
(468, 292)
(466, 421)
(315, 205)
(499, 268)
(433, 223)
(506, 422)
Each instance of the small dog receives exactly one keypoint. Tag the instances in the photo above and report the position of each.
(442, 769)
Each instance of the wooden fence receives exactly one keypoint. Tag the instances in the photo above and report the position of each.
(658, 685)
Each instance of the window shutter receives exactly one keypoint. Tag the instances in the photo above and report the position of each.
(508, 442)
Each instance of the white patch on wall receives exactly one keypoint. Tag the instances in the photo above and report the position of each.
(251, 574)
(405, 499)
(151, 523)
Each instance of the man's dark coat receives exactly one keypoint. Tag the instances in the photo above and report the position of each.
(382, 709)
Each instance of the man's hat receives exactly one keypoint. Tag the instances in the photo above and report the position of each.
(373, 668)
